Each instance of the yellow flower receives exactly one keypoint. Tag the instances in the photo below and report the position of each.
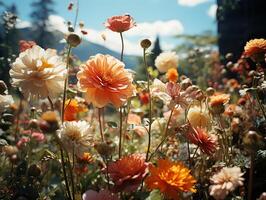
(198, 117)
(172, 74)
(170, 178)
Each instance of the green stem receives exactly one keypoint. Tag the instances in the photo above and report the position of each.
(100, 124)
(120, 133)
(250, 181)
(122, 47)
(65, 84)
(150, 105)
(260, 104)
(165, 135)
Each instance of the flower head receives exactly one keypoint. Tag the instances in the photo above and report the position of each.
(76, 134)
(219, 99)
(170, 178)
(128, 172)
(165, 61)
(206, 142)
(254, 47)
(39, 72)
(105, 80)
(198, 117)
(24, 45)
(102, 195)
(225, 181)
(120, 23)
(72, 109)
(172, 74)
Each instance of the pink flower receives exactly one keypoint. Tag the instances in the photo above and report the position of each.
(128, 172)
(22, 142)
(120, 23)
(24, 45)
(102, 195)
(39, 137)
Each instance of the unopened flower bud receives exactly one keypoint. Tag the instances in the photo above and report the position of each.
(229, 56)
(73, 39)
(145, 44)
(33, 123)
(210, 91)
(185, 83)
(104, 149)
(230, 64)
(252, 140)
(3, 87)
(10, 150)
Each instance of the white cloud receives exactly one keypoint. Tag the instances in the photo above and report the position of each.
(191, 2)
(212, 10)
(162, 28)
(23, 24)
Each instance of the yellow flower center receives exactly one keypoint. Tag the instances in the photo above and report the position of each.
(74, 135)
(45, 64)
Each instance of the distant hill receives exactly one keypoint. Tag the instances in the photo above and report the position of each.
(85, 49)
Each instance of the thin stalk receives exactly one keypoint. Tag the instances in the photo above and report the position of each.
(122, 47)
(120, 133)
(51, 103)
(165, 135)
(100, 124)
(150, 105)
(121, 111)
(65, 84)
(64, 172)
(76, 15)
(17, 119)
(250, 181)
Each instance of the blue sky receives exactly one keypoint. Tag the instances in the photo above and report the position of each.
(174, 16)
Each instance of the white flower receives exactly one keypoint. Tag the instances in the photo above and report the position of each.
(159, 90)
(5, 101)
(76, 134)
(166, 60)
(225, 181)
(39, 73)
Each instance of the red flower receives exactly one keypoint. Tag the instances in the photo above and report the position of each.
(120, 23)
(24, 45)
(128, 172)
(144, 97)
(206, 142)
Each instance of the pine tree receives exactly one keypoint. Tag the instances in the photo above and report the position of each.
(42, 10)
(155, 51)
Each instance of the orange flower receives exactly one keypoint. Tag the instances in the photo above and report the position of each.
(128, 172)
(120, 23)
(172, 74)
(105, 80)
(72, 109)
(24, 45)
(206, 142)
(170, 178)
(229, 111)
(219, 99)
(133, 119)
(255, 46)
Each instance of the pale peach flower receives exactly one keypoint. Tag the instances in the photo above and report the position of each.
(198, 116)
(133, 119)
(255, 46)
(225, 181)
(39, 73)
(166, 61)
(105, 80)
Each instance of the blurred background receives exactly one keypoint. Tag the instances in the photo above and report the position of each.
(196, 29)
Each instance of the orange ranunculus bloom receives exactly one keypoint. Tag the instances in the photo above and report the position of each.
(255, 46)
(219, 99)
(120, 23)
(24, 45)
(72, 109)
(128, 172)
(104, 80)
(172, 74)
(170, 178)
